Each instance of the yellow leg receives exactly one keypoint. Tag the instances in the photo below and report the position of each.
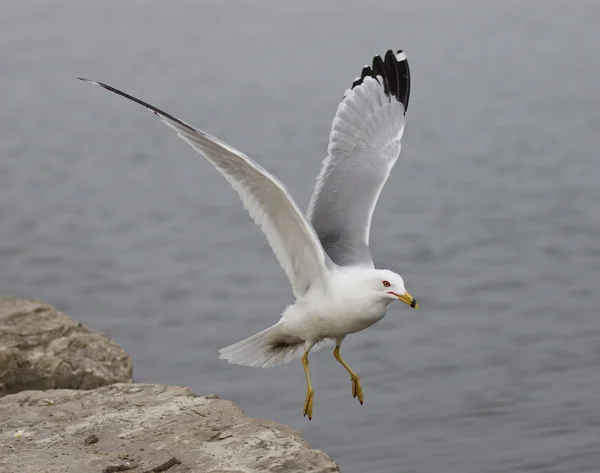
(356, 387)
(310, 394)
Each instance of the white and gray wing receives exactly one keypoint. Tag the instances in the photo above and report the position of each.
(364, 145)
(291, 237)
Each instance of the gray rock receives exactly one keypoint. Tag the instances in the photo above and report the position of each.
(42, 348)
(143, 428)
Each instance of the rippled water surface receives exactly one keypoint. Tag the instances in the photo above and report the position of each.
(492, 214)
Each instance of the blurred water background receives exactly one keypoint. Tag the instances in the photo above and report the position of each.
(491, 215)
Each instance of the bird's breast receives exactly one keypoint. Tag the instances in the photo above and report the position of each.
(349, 316)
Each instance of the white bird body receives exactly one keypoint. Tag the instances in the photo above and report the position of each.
(336, 309)
(347, 300)
(325, 254)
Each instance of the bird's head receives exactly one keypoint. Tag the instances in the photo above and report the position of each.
(391, 286)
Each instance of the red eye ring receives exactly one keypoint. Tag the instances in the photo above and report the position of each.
(386, 284)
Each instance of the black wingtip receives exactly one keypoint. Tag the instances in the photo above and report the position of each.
(157, 111)
(394, 72)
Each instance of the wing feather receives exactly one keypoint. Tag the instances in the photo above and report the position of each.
(364, 145)
(268, 202)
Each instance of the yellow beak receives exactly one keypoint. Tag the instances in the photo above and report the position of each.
(409, 300)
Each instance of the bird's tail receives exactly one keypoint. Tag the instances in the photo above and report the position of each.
(265, 349)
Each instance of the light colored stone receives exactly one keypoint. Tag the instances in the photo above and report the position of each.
(142, 426)
(42, 348)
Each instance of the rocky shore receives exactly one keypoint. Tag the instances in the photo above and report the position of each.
(68, 404)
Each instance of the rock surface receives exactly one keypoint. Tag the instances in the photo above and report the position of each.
(42, 348)
(142, 428)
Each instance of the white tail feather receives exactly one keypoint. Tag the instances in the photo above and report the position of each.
(265, 349)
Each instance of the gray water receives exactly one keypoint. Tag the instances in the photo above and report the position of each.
(491, 215)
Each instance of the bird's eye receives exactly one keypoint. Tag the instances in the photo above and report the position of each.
(386, 284)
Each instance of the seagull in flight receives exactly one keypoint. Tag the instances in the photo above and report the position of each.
(325, 253)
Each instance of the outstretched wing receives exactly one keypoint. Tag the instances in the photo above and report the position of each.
(364, 145)
(291, 237)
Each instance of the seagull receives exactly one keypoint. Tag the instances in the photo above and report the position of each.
(325, 253)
